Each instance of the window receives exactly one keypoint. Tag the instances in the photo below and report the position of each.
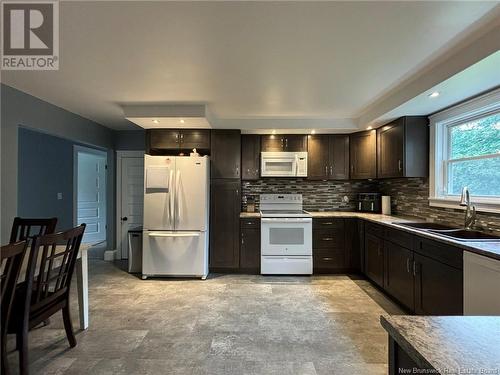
(465, 151)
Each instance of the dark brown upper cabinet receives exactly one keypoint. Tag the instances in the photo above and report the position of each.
(250, 157)
(225, 151)
(284, 142)
(328, 157)
(318, 159)
(403, 148)
(363, 154)
(173, 141)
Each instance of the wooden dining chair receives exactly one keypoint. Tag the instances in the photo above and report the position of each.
(11, 262)
(46, 290)
(26, 228)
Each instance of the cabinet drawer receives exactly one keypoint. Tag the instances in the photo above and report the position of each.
(446, 254)
(328, 239)
(326, 223)
(329, 259)
(250, 222)
(375, 229)
(399, 237)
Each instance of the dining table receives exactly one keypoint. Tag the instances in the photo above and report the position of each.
(82, 279)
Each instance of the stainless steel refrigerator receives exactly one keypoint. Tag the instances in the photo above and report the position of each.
(176, 212)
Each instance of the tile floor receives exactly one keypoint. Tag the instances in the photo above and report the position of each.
(228, 324)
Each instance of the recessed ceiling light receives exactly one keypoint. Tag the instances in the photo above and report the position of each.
(435, 94)
(313, 131)
(181, 121)
(156, 121)
(369, 128)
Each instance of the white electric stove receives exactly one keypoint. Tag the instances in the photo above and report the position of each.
(286, 235)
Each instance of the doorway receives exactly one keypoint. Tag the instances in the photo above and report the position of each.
(90, 193)
(129, 197)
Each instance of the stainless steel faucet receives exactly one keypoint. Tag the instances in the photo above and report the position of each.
(470, 210)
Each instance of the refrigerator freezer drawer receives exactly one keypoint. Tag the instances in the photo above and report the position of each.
(175, 254)
(294, 265)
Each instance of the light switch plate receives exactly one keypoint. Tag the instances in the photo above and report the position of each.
(59, 196)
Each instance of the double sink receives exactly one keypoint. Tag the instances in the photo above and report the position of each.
(453, 233)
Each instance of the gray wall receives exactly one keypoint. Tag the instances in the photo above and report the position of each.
(130, 140)
(46, 162)
(19, 109)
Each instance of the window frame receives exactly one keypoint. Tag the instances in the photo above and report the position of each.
(440, 129)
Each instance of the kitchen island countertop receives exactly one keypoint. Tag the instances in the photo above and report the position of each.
(448, 344)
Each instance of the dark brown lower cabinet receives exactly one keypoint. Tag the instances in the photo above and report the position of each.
(374, 258)
(353, 240)
(398, 273)
(250, 245)
(438, 287)
(401, 363)
(225, 209)
(329, 251)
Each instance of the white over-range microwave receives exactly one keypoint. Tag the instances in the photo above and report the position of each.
(283, 164)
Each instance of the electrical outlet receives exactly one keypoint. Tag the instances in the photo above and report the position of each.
(59, 196)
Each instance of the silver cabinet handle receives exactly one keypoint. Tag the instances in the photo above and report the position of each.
(327, 259)
(331, 170)
(372, 206)
(326, 170)
(286, 142)
(399, 165)
(414, 268)
(359, 206)
(408, 265)
(327, 239)
(177, 138)
(237, 171)
(327, 223)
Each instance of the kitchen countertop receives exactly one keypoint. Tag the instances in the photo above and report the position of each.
(489, 249)
(449, 344)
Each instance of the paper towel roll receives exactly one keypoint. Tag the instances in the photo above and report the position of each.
(386, 205)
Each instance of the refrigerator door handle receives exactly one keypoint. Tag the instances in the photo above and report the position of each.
(177, 200)
(170, 198)
(176, 234)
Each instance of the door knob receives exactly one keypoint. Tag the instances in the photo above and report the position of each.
(124, 218)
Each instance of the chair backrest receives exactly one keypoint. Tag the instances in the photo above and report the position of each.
(11, 261)
(25, 229)
(54, 257)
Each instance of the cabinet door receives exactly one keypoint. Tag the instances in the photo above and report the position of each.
(363, 154)
(296, 143)
(250, 249)
(353, 243)
(374, 258)
(438, 288)
(224, 223)
(398, 273)
(390, 149)
(163, 139)
(199, 139)
(250, 157)
(339, 157)
(225, 153)
(318, 157)
(272, 143)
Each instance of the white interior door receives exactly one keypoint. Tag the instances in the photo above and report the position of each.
(91, 195)
(132, 199)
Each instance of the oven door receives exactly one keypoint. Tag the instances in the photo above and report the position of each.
(278, 164)
(286, 236)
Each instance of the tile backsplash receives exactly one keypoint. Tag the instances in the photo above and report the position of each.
(408, 197)
(317, 195)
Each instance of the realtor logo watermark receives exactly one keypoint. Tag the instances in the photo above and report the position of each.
(30, 35)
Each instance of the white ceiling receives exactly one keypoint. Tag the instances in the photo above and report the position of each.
(256, 65)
